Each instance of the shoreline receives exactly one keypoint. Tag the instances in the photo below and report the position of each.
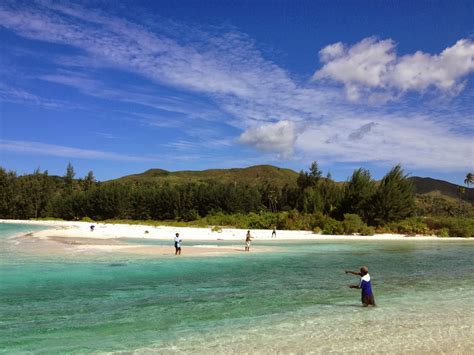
(71, 229)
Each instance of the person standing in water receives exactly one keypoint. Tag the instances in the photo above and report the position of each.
(177, 244)
(364, 285)
(248, 238)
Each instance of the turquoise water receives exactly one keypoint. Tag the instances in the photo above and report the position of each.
(294, 299)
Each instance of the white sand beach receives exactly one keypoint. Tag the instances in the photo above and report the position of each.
(105, 231)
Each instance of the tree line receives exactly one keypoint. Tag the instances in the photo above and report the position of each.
(39, 195)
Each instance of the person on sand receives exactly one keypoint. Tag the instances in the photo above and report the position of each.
(248, 238)
(364, 285)
(177, 244)
(274, 233)
(92, 228)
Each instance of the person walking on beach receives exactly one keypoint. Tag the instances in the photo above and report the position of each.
(364, 285)
(177, 244)
(248, 238)
(274, 233)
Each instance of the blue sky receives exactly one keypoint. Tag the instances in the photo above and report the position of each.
(119, 88)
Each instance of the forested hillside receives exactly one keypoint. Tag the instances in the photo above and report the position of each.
(261, 195)
(262, 174)
(254, 176)
(436, 187)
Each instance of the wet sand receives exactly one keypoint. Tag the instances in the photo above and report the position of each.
(56, 245)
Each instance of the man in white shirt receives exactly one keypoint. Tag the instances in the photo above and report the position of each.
(177, 244)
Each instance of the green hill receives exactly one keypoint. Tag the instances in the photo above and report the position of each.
(260, 174)
(434, 187)
(254, 175)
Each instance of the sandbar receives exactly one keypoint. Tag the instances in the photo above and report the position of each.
(71, 237)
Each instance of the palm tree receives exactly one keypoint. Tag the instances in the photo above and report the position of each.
(469, 179)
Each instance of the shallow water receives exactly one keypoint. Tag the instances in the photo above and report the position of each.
(294, 299)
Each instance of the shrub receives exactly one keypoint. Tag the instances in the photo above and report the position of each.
(87, 219)
(382, 230)
(456, 226)
(331, 226)
(256, 221)
(317, 230)
(221, 219)
(365, 230)
(190, 215)
(317, 220)
(410, 226)
(216, 229)
(352, 223)
(461, 228)
(295, 221)
(443, 233)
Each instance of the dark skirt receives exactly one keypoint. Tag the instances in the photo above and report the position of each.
(368, 300)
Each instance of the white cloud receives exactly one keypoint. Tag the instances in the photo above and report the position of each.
(331, 52)
(364, 63)
(275, 137)
(225, 78)
(414, 142)
(373, 64)
(139, 96)
(110, 136)
(67, 152)
(444, 71)
(228, 67)
(9, 93)
(130, 46)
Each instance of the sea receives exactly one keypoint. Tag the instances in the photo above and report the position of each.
(293, 299)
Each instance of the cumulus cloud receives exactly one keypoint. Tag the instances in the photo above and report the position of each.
(373, 64)
(444, 71)
(275, 137)
(364, 63)
(331, 52)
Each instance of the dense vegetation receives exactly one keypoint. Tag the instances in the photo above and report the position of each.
(313, 202)
(253, 175)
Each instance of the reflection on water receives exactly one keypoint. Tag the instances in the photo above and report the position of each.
(293, 299)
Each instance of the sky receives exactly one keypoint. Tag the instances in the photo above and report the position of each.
(122, 87)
